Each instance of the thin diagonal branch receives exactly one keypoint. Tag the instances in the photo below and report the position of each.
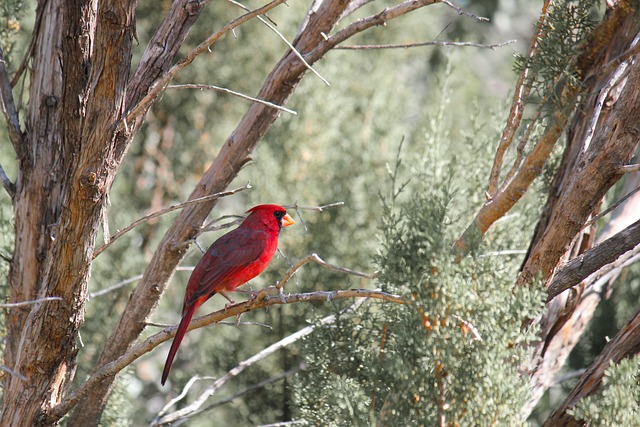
(9, 186)
(517, 108)
(365, 23)
(165, 211)
(461, 11)
(284, 39)
(9, 109)
(592, 260)
(234, 93)
(162, 82)
(31, 302)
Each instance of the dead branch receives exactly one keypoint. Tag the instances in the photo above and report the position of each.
(517, 107)
(581, 267)
(9, 186)
(461, 11)
(23, 303)
(630, 168)
(363, 24)
(262, 300)
(166, 210)
(284, 39)
(190, 409)
(431, 43)
(232, 92)
(163, 81)
(9, 110)
(511, 192)
(625, 344)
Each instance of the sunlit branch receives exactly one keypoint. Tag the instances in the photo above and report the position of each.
(517, 107)
(431, 43)
(284, 39)
(31, 302)
(234, 93)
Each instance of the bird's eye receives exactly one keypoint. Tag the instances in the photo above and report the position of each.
(278, 214)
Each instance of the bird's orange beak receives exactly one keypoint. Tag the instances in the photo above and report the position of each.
(287, 220)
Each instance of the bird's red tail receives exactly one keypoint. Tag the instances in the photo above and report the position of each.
(182, 329)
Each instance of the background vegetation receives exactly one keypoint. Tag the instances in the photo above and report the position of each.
(405, 139)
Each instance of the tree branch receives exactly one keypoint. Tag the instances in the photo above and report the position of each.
(284, 39)
(262, 300)
(234, 93)
(166, 210)
(581, 267)
(517, 107)
(365, 23)
(9, 186)
(222, 380)
(163, 81)
(24, 303)
(626, 343)
(10, 112)
(511, 192)
(432, 43)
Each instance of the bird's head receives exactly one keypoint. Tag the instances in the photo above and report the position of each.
(274, 216)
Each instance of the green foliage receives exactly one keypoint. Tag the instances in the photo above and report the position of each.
(10, 13)
(618, 403)
(567, 25)
(451, 353)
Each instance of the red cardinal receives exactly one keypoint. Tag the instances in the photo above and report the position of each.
(231, 261)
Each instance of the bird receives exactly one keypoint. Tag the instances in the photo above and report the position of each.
(231, 261)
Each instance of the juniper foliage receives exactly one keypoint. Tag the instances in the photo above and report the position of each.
(451, 353)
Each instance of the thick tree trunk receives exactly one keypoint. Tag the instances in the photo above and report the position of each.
(603, 137)
(81, 62)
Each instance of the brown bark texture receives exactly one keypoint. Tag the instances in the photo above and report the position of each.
(85, 105)
(602, 137)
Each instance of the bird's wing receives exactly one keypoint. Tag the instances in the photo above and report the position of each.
(229, 262)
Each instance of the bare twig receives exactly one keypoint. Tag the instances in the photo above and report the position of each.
(592, 260)
(284, 39)
(363, 24)
(630, 168)
(236, 323)
(255, 386)
(9, 186)
(161, 84)
(315, 258)
(31, 302)
(609, 209)
(221, 381)
(431, 43)
(469, 326)
(461, 11)
(12, 372)
(297, 208)
(517, 108)
(126, 282)
(9, 109)
(262, 300)
(165, 211)
(320, 208)
(232, 92)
